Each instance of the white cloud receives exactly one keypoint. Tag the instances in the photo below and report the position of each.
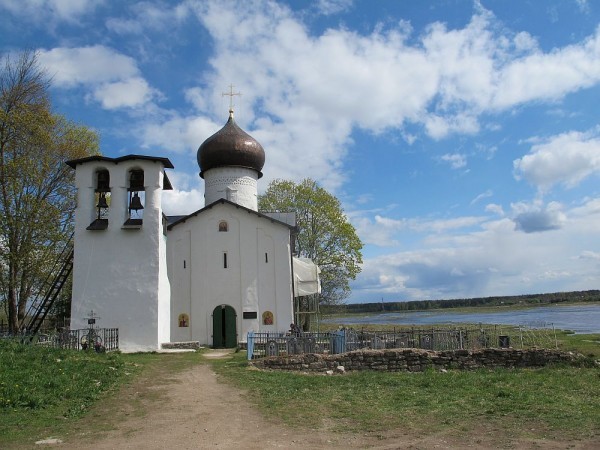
(456, 160)
(332, 6)
(145, 16)
(50, 10)
(525, 42)
(86, 65)
(305, 94)
(587, 254)
(177, 134)
(495, 259)
(187, 195)
(583, 6)
(178, 202)
(567, 159)
(482, 196)
(384, 231)
(123, 94)
(112, 79)
(494, 208)
(549, 76)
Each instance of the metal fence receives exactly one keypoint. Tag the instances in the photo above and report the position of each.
(93, 339)
(345, 340)
(260, 345)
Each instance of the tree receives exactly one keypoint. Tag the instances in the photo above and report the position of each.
(324, 235)
(37, 193)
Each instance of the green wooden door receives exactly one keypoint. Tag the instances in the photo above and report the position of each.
(218, 327)
(224, 327)
(230, 328)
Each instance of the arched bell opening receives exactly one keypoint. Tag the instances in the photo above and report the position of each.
(101, 200)
(135, 199)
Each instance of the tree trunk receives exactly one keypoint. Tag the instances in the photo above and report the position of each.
(13, 320)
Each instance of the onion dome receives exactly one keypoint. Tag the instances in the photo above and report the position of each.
(232, 147)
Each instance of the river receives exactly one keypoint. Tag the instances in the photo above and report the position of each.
(577, 318)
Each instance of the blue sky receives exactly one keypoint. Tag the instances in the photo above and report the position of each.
(462, 137)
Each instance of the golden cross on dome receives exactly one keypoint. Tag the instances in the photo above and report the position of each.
(231, 94)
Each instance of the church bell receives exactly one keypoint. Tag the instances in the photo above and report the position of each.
(102, 203)
(136, 203)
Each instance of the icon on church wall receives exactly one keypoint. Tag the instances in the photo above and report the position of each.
(267, 318)
(184, 320)
(223, 226)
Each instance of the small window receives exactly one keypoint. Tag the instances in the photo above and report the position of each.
(184, 264)
(223, 227)
(224, 260)
(266, 258)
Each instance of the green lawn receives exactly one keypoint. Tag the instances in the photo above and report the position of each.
(49, 392)
(39, 385)
(560, 402)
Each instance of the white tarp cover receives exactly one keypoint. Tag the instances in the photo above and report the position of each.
(306, 277)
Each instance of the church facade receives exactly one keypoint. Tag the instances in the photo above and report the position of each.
(211, 276)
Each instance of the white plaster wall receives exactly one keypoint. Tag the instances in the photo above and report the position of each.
(236, 184)
(248, 284)
(121, 274)
(179, 250)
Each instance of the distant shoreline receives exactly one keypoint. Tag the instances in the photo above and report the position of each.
(477, 303)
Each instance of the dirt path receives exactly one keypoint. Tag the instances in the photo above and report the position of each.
(193, 410)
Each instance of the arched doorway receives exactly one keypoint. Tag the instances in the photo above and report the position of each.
(224, 327)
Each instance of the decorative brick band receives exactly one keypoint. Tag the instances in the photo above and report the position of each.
(416, 360)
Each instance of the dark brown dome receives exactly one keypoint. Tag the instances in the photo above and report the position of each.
(231, 146)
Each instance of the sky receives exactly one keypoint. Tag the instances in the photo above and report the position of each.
(462, 137)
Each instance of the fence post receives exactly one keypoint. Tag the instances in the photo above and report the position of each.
(250, 345)
(521, 336)
(555, 339)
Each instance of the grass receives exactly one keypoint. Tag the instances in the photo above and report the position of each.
(39, 385)
(559, 402)
(48, 392)
(586, 344)
(45, 390)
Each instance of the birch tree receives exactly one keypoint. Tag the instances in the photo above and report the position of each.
(37, 194)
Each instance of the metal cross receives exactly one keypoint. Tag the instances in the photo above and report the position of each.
(231, 94)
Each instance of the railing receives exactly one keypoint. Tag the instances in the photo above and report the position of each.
(276, 344)
(494, 336)
(94, 339)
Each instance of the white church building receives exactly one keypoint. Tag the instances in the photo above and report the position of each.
(211, 276)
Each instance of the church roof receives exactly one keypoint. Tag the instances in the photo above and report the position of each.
(167, 164)
(233, 147)
(165, 161)
(176, 220)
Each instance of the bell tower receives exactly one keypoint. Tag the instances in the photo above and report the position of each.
(120, 267)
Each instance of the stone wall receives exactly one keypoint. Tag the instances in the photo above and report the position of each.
(416, 360)
(186, 345)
